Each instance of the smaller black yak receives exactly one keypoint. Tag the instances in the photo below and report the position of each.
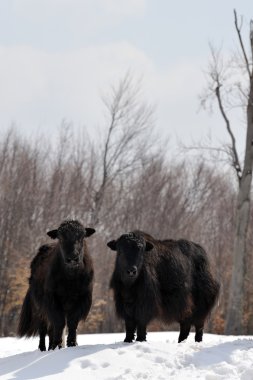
(60, 287)
(169, 280)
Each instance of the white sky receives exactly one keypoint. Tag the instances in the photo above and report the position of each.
(58, 56)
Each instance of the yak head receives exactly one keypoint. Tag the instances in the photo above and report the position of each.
(70, 235)
(130, 249)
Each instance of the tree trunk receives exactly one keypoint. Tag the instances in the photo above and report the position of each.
(234, 321)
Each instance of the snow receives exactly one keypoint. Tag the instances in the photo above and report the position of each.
(105, 356)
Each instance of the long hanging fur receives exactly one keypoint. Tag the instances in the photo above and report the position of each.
(27, 324)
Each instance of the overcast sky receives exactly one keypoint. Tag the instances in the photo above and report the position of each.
(57, 57)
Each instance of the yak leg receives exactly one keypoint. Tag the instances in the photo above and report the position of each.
(79, 312)
(130, 330)
(199, 327)
(42, 334)
(185, 328)
(58, 324)
(72, 323)
(141, 333)
(51, 338)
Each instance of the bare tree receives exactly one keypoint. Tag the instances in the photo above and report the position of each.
(126, 137)
(231, 84)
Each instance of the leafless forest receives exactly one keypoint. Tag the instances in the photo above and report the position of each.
(126, 179)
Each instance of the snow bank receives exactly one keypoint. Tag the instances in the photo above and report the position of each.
(106, 357)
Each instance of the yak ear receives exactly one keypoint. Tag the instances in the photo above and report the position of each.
(89, 232)
(53, 234)
(149, 246)
(112, 244)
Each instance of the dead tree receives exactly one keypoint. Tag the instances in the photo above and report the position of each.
(223, 85)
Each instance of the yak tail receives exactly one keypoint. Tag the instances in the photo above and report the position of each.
(27, 324)
(208, 286)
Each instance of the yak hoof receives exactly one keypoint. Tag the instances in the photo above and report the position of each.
(128, 340)
(71, 344)
(140, 339)
(54, 345)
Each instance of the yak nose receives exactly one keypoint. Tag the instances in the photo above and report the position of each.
(72, 259)
(132, 272)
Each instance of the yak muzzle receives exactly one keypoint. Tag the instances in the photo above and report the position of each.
(132, 272)
(72, 262)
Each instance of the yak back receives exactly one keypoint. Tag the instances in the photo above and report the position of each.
(164, 264)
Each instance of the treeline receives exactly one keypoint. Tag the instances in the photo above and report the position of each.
(122, 182)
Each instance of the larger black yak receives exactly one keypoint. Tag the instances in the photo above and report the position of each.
(169, 280)
(60, 287)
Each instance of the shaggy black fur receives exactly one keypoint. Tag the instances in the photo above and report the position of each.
(170, 280)
(60, 287)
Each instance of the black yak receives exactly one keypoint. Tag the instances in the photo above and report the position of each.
(170, 280)
(60, 287)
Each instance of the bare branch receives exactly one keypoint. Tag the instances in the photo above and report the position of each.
(236, 163)
(238, 30)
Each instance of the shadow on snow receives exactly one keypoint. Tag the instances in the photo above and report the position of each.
(30, 365)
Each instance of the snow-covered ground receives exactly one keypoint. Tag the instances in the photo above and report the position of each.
(105, 356)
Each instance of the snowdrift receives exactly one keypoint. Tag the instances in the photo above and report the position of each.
(106, 357)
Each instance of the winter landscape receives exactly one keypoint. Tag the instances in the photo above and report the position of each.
(132, 120)
(105, 356)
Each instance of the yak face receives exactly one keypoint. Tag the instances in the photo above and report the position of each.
(71, 236)
(130, 249)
